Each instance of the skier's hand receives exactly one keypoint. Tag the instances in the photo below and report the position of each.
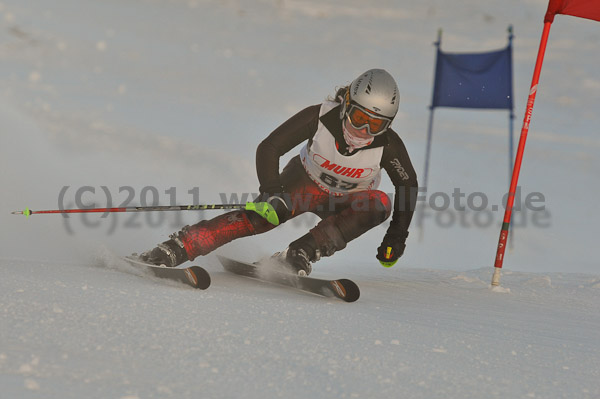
(272, 207)
(280, 207)
(391, 248)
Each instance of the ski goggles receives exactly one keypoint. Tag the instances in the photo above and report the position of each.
(360, 117)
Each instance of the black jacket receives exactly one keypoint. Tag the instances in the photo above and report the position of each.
(303, 126)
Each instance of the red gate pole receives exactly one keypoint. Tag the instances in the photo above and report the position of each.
(519, 157)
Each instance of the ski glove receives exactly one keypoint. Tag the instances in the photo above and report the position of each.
(391, 248)
(273, 208)
(280, 206)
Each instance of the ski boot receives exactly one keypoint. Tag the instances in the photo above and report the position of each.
(299, 255)
(295, 259)
(170, 253)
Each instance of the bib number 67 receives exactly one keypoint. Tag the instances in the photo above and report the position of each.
(333, 181)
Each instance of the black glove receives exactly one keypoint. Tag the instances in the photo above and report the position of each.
(391, 248)
(268, 203)
(278, 203)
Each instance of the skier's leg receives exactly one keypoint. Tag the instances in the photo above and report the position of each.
(208, 235)
(359, 213)
(367, 209)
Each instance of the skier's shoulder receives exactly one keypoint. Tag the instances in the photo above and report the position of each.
(394, 146)
(305, 118)
(318, 111)
(327, 106)
(309, 113)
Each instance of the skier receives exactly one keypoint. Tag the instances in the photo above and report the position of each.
(348, 141)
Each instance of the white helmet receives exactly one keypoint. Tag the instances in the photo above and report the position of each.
(376, 92)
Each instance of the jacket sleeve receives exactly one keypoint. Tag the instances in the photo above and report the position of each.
(292, 132)
(398, 166)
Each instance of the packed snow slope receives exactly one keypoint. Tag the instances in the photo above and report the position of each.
(71, 330)
(164, 101)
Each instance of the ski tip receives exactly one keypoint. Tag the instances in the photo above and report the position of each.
(346, 290)
(201, 277)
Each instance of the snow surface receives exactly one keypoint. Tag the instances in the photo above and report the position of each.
(178, 94)
(73, 330)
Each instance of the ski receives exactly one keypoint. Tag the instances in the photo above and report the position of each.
(343, 289)
(194, 276)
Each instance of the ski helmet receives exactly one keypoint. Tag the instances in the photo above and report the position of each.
(372, 100)
(376, 90)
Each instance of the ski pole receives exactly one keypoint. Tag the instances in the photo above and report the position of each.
(264, 209)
